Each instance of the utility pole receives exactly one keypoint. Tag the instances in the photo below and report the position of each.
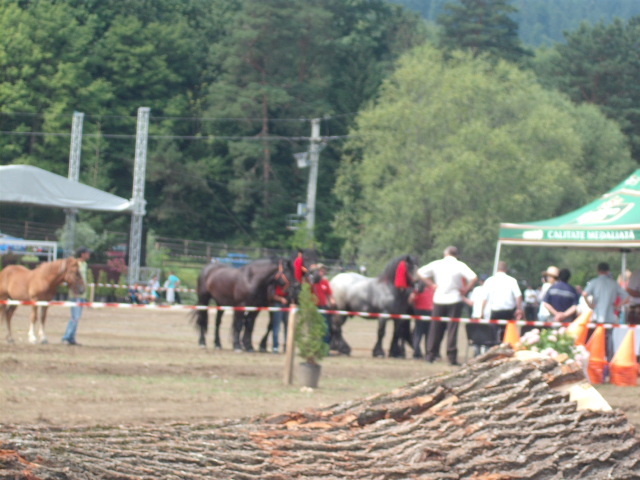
(75, 152)
(314, 159)
(139, 171)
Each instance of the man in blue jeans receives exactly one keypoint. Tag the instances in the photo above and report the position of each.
(69, 337)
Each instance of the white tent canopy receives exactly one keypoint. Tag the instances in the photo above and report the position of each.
(32, 185)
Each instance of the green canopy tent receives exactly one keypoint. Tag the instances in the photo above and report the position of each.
(612, 222)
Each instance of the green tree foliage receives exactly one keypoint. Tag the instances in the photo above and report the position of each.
(43, 73)
(267, 70)
(282, 61)
(365, 30)
(543, 22)
(600, 65)
(482, 27)
(453, 148)
(105, 59)
(231, 86)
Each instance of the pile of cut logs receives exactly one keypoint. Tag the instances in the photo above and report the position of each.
(494, 418)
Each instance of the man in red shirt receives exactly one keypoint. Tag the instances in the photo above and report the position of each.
(324, 296)
(421, 300)
(299, 270)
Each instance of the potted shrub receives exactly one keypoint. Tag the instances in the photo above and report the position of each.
(311, 330)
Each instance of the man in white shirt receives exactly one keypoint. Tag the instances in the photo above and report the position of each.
(478, 334)
(503, 297)
(531, 303)
(476, 299)
(452, 279)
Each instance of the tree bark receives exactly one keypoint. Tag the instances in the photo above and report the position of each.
(495, 418)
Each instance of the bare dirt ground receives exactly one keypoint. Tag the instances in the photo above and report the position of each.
(144, 366)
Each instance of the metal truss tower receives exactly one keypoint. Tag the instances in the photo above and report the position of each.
(139, 203)
(314, 158)
(75, 153)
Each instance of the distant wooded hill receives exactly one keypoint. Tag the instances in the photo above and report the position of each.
(542, 22)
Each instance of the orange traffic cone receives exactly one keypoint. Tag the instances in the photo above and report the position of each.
(578, 328)
(511, 335)
(597, 355)
(624, 365)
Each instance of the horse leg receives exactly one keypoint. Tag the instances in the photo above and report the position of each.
(249, 322)
(202, 320)
(378, 351)
(263, 342)
(7, 313)
(338, 343)
(401, 337)
(238, 319)
(407, 333)
(396, 349)
(32, 325)
(43, 320)
(216, 341)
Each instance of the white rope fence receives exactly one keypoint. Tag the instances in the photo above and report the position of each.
(152, 306)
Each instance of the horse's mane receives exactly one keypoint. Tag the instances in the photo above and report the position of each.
(389, 272)
(259, 262)
(253, 268)
(50, 265)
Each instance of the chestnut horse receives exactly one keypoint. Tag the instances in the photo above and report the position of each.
(247, 286)
(20, 283)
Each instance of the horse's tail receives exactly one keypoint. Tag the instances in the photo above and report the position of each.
(201, 316)
(200, 319)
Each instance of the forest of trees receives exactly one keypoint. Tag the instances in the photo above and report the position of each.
(432, 132)
(232, 87)
(543, 22)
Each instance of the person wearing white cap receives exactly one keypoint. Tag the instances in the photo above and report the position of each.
(549, 276)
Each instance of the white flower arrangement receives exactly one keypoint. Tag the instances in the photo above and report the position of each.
(558, 344)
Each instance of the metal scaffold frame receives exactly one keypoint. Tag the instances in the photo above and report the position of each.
(74, 175)
(139, 203)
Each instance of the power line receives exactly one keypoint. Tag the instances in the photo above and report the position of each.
(270, 138)
(258, 138)
(189, 118)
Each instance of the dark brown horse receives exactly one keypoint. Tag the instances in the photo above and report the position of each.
(20, 283)
(247, 286)
(387, 293)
